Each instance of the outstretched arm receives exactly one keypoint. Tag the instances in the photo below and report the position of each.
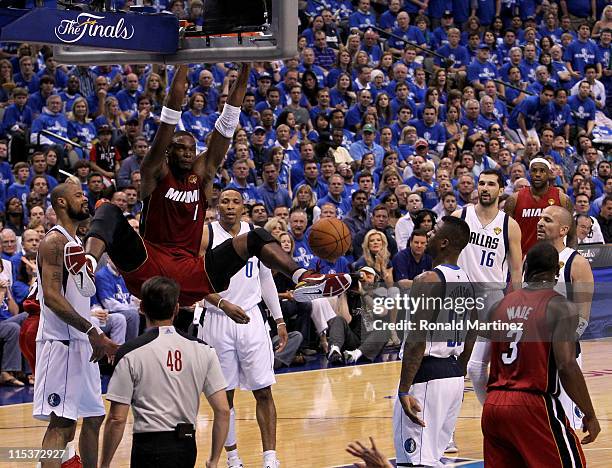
(206, 165)
(154, 165)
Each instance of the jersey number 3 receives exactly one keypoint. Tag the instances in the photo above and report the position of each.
(174, 361)
(510, 356)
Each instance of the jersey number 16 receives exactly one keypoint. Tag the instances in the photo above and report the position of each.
(487, 258)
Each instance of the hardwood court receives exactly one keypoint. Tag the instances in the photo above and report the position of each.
(320, 411)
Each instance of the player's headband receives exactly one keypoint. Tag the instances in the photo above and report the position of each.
(541, 161)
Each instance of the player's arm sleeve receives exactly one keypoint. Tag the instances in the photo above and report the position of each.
(214, 380)
(269, 293)
(121, 385)
(478, 368)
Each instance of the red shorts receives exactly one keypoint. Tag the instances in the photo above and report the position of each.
(526, 429)
(187, 270)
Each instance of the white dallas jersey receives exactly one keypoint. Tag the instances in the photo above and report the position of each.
(566, 259)
(244, 289)
(485, 258)
(51, 327)
(457, 285)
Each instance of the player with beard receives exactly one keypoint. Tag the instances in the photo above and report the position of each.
(575, 282)
(433, 363)
(526, 205)
(68, 346)
(176, 184)
(494, 251)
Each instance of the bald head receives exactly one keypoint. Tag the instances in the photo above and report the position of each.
(555, 223)
(61, 191)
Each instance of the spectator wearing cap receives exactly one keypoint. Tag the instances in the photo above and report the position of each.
(405, 33)
(38, 100)
(325, 56)
(18, 116)
(481, 69)
(103, 156)
(128, 96)
(125, 142)
(363, 18)
(133, 162)
(195, 121)
(441, 28)
(264, 82)
(367, 145)
(72, 92)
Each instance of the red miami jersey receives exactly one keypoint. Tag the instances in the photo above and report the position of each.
(524, 360)
(173, 215)
(527, 213)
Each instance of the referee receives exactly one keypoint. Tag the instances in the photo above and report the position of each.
(161, 374)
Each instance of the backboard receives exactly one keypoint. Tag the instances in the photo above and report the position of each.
(274, 40)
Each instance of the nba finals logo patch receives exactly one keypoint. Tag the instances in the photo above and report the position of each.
(54, 399)
(497, 231)
(192, 179)
(551, 202)
(561, 265)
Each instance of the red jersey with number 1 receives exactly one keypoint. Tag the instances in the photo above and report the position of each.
(523, 360)
(527, 213)
(173, 215)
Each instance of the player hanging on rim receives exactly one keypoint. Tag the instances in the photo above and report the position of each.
(175, 186)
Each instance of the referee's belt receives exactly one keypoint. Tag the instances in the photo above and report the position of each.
(181, 431)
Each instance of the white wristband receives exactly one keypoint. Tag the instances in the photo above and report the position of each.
(170, 116)
(228, 120)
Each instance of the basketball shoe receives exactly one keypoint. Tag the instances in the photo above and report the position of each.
(314, 285)
(82, 268)
(234, 462)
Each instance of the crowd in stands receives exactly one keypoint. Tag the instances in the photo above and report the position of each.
(365, 124)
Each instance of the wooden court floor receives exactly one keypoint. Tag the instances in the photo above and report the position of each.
(320, 411)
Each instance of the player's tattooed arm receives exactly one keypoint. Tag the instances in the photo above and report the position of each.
(51, 255)
(153, 165)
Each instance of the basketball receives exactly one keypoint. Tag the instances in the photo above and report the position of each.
(329, 238)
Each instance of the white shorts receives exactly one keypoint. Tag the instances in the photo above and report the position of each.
(244, 350)
(441, 402)
(66, 384)
(572, 411)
